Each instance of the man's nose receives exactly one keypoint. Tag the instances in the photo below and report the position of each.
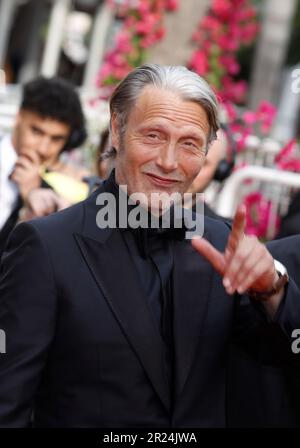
(43, 147)
(167, 158)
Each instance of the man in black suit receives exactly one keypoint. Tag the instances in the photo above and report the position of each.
(50, 121)
(124, 325)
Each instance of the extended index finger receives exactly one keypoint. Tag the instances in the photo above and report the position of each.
(238, 228)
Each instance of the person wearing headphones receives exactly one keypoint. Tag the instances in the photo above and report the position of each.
(218, 166)
(50, 121)
(214, 159)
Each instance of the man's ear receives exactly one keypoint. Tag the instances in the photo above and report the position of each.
(115, 132)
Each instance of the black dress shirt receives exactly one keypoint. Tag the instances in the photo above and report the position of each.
(152, 255)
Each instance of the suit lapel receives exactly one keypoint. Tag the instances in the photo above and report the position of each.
(192, 282)
(10, 223)
(110, 263)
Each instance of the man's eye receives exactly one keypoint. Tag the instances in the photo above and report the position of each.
(58, 139)
(153, 136)
(191, 145)
(36, 131)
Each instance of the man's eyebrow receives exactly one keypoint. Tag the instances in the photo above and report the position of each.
(37, 128)
(59, 136)
(145, 127)
(55, 136)
(193, 135)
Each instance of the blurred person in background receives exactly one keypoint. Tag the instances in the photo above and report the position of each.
(50, 121)
(290, 223)
(216, 153)
(103, 163)
(104, 156)
(215, 162)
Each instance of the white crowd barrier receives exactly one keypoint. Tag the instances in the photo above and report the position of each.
(276, 186)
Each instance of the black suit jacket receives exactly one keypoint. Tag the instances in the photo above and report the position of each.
(267, 394)
(82, 346)
(10, 224)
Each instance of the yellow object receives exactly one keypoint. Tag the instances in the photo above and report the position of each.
(65, 186)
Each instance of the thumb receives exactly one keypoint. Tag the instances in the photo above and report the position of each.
(215, 258)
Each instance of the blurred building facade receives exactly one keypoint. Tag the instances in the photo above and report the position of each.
(53, 37)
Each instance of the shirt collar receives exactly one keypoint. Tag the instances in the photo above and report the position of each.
(111, 186)
(8, 155)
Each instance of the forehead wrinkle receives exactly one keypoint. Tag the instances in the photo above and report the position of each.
(172, 115)
(156, 104)
(185, 131)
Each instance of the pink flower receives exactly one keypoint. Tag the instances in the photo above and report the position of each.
(266, 108)
(249, 117)
(230, 63)
(246, 14)
(249, 32)
(258, 215)
(290, 165)
(143, 27)
(227, 43)
(159, 33)
(230, 110)
(105, 70)
(266, 114)
(123, 42)
(171, 5)
(234, 90)
(143, 7)
(121, 72)
(147, 41)
(197, 35)
(287, 151)
(210, 23)
(199, 63)
(222, 8)
(241, 141)
(116, 59)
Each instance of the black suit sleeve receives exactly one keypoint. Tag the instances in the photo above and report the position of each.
(269, 341)
(27, 316)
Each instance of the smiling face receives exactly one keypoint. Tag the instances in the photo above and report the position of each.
(163, 148)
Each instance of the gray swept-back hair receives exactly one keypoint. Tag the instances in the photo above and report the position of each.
(178, 79)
